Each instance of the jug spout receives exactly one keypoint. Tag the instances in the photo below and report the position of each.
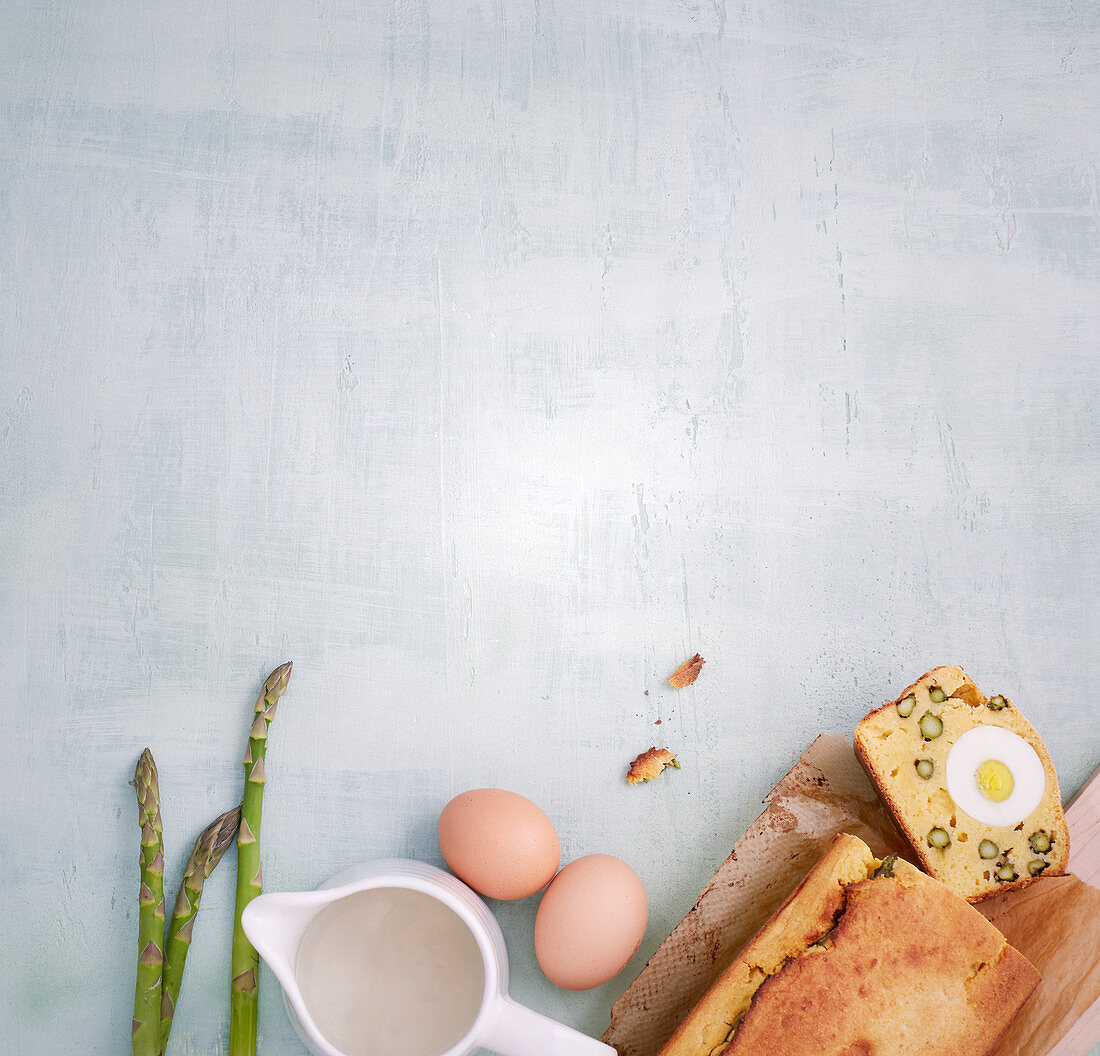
(275, 925)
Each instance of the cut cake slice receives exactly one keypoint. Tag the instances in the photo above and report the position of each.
(969, 783)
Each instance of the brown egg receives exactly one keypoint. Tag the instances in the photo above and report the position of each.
(499, 842)
(590, 922)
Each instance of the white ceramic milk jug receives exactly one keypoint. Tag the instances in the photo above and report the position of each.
(278, 925)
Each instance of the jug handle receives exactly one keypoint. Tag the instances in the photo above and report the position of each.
(519, 1031)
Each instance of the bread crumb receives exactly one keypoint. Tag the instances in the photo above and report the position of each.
(649, 765)
(687, 672)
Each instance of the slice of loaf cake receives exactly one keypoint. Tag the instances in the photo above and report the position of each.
(864, 957)
(969, 783)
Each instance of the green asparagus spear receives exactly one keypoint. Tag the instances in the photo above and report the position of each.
(212, 843)
(244, 989)
(145, 1033)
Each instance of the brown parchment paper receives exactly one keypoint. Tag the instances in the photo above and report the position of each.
(1054, 922)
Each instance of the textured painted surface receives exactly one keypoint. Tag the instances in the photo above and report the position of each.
(488, 359)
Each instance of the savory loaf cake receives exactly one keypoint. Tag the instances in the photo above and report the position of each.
(864, 957)
(969, 783)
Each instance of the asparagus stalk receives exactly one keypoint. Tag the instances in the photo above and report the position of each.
(211, 844)
(145, 1033)
(244, 988)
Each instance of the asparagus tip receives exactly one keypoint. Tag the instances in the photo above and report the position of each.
(146, 769)
(278, 678)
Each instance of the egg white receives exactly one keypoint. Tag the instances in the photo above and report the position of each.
(994, 742)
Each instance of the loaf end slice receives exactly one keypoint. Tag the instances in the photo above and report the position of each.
(909, 969)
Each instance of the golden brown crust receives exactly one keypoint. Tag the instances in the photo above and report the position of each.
(650, 764)
(964, 695)
(1014, 975)
(855, 962)
(687, 672)
(808, 913)
(910, 969)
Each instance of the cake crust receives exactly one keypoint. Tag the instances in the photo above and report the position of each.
(808, 913)
(910, 969)
(863, 958)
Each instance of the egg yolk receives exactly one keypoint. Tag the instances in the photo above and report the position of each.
(994, 780)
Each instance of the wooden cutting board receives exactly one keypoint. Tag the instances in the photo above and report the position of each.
(1083, 819)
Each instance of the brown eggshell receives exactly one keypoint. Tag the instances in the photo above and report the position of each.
(499, 842)
(590, 922)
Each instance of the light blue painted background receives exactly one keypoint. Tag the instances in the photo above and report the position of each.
(487, 359)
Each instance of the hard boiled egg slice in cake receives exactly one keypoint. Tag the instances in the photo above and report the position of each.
(995, 775)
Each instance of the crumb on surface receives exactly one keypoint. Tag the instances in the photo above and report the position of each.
(687, 672)
(650, 764)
